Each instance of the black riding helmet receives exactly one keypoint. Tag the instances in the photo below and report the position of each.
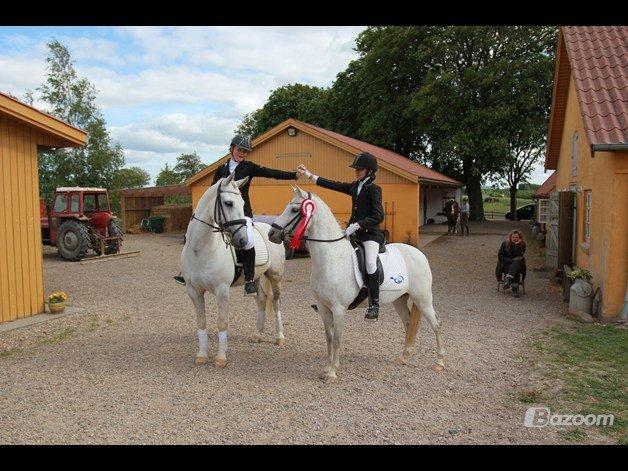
(242, 141)
(365, 160)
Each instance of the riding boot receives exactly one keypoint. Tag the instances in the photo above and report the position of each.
(372, 312)
(249, 272)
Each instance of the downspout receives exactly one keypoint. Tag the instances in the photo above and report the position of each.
(624, 312)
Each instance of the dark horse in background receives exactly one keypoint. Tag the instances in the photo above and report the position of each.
(452, 210)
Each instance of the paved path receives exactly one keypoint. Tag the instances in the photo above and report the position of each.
(123, 372)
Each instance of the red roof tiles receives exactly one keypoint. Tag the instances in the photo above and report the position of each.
(399, 161)
(598, 56)
(546, 188)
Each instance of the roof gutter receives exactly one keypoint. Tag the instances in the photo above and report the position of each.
(609, 147)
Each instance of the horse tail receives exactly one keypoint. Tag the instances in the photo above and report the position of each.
(267, 288)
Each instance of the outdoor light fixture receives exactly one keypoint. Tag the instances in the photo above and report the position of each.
(292, 132)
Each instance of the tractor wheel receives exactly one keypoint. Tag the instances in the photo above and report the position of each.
(73, 240)
(114, 231)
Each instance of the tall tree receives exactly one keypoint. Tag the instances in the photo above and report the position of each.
(168, 176)
(73, 99)
(188, 165)
(302, 102)
(448, 96)
(132, 177)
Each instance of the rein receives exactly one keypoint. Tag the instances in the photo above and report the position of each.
(219, 213)
(297, 219)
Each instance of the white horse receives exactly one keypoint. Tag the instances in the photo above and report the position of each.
(207, 264)
(335, 286)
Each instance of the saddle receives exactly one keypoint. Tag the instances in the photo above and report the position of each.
(261, 258)
(361, 258)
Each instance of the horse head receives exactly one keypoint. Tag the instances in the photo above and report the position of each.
(286, 223)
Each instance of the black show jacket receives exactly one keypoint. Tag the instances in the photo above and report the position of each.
(250, 169)
(366, 208)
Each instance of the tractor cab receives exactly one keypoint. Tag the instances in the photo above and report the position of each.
(81, 219)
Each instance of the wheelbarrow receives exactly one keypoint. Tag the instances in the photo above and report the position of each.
(153, 224)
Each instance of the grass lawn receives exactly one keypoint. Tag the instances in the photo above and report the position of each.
(582, 369)
(502, 207)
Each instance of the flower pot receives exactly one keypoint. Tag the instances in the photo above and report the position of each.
(56, 308)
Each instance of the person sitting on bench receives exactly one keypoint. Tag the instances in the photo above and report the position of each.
(367, 213)
(510, 261)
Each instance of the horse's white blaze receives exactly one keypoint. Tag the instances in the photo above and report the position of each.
(335, 287)
(207, 264)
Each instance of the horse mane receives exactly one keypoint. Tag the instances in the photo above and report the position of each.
(321, 204)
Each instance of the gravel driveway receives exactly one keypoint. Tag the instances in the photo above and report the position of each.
(123, 371)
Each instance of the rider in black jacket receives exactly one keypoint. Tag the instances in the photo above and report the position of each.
(366, 215)
(239, 149)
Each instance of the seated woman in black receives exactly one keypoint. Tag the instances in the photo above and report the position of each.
(511, 261)
(366, 215)
(239, 149)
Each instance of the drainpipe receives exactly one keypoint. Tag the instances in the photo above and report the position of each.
(624, 312)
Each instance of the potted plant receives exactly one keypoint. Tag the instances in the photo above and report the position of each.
(56, 302)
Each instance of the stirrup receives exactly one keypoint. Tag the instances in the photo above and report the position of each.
(249, 289)
(371, 313)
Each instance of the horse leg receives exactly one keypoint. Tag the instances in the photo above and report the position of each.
(427, 309)
(275, 284)
(410, 320)
(328, 321)
(198, 299)
(261, 313)
(339, 316)
(222, 295)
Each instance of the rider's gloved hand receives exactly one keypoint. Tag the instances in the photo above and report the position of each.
(351, 229)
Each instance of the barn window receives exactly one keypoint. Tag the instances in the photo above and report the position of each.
(574, 154)
(587, 215)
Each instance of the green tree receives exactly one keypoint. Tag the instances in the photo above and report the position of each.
(132, 177)
(451, 96)
(73, 99)
(188, 165)
(168, 176)
(302, 102)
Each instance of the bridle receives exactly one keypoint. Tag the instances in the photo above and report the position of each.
(220, 215)
(297, 219)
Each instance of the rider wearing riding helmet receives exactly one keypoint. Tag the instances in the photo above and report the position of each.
(239, 149)
(366, 215)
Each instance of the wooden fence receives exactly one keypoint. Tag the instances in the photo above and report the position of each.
(137, 203)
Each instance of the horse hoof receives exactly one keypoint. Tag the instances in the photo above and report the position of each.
(220, 362)
(200, 361)
(255, 339)
(438, 368)
(401, 361)
(329, 378)
(280, 342)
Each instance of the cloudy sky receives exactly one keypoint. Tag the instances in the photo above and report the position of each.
(165, 91)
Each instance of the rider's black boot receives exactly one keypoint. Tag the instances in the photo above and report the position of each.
(249, 272)
(372, 312)
(179, 279)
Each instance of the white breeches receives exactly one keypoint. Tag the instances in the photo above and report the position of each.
(371, 249)
(249, 234)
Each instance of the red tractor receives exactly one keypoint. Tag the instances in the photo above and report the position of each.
(80, 219)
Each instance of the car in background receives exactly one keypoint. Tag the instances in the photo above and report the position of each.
(269, 219)
(524, 213)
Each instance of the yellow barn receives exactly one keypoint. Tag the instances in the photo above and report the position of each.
(23, 130)
(588, 147)
(329, 154)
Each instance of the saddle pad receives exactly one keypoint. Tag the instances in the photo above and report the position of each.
(395, 271)
(261, 250)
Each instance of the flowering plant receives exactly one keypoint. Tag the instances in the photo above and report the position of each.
(57, 297)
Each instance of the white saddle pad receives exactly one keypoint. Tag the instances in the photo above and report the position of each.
(261, 250)
(395, 271)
